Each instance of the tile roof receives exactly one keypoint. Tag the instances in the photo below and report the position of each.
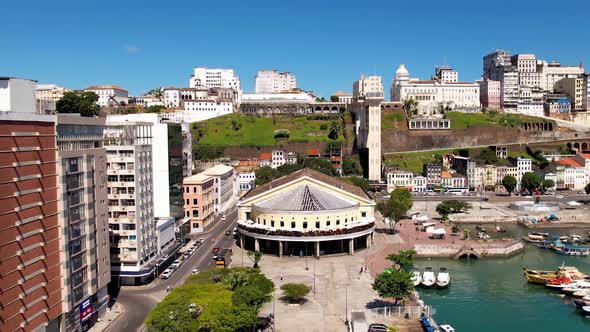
(585, 155)
(312, 174)
(105, 87)
(313, 152)
(569, 162)
(265, 156)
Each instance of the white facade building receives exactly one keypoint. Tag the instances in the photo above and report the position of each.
(552, 72)
(301, 96)
(586, 92)
(419, 184)
(130, 198)
(366, 104)
(109, 95)
(50, 92)
(246, 180)
(278, 158)
(435, 94)
(225, 187)
(216, 78)
(401, 179)
(446, 74)
(342, 97)
(272, 81)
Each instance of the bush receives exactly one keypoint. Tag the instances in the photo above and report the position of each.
(281, 133)
(295, 292)
(323, 126)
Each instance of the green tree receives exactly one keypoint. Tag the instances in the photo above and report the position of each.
(154, 109)
(334, 99)
(295, 292)
(404, 196)
(255, 256)
(320, 165)
(411, 107)
(509, 182)
(359, 182)
(392, 209)
(265, 174)
(530, 182)
(351, 166)
(287, 169)
(235, 278)
(79, 102)
(587, 189)
(488, 156)
(395, 284)
(547, 184)
(335, 127)
(403, 259)
(451, 206)
(157, 93)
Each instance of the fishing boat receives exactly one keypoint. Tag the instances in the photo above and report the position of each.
(428, 278)
(586, 310)
(580, 302)
(559, 282)
(570, 250)
(581, 293)
(546, 244)
(483, 236)
(535, 237)
(416, 278)
(443, 279)
(539, 277)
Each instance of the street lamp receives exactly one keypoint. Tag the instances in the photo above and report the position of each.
(314, 276)
(306, 267)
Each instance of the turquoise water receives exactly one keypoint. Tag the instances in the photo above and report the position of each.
(493, 295)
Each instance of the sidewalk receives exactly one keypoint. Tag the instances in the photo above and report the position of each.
(108, 318)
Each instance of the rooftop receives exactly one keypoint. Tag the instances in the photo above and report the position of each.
(105, 87)
(197, 178)
(306, 198)
(218, 170)
(335, 182)
(569, 162)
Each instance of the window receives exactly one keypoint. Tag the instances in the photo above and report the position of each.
(317, 224)
(305, 224)
(194, 201)
(328, 223)
(292, 224)
(195, 213)
(187, 201)
(272, 223)
(195, 225)
(337, 221)
(282, 223)
(195, 190)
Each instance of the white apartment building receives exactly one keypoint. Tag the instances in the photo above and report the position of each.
(366, 104)
(523, 165)
(216, 78)
(552, 72)
(130, 199)
(272, 81)
(83, 217)
(574, 89)
(419, 184)
(148, 100)
(278, 158)
(446, 74)
(50, 92)
(175, 97)
(246, 180)
(400, 179)
(109, 95)
(434, 94)
(225, 187)
(510, 89)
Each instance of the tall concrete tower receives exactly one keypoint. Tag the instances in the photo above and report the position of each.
(367, 95)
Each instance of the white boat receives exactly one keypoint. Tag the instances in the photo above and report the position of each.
(443, 279)
(416, 278)
(428, 278)
(586, 309)
(446, 328)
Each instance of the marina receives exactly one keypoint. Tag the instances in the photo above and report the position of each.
(494, 295)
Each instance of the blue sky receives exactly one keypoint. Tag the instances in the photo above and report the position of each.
(326, 44)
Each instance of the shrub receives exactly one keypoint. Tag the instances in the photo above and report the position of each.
(281, 133)
(295, 292)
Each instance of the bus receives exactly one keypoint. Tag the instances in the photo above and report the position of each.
(223, 259)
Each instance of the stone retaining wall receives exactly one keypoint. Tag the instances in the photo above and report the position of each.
(492, 249)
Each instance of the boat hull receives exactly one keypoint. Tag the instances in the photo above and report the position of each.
(539, 277)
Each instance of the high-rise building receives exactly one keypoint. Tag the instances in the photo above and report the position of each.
(133, 235)
(552, 72)
(225, 186)
(272, 81)
(573, 88)
(83, 219)
(31, 290)
(367, 97)
(198, 202)
(586, 92)
(216, 78)
(493, 62)
(490, 94)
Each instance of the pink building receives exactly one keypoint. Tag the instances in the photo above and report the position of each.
(198, 201)
(490, 94)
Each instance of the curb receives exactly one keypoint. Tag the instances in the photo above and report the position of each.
(110, 322)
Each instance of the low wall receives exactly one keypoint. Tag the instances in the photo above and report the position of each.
(486, 249)
(468, 219)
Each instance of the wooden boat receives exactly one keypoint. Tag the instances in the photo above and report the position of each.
(546, 244)
(539, 277)
(571, 250)
(428, 278)
(443, 279)
(535, 237)
(416, 278)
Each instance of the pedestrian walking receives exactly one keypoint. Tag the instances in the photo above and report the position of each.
(168, 289)
(281, 277)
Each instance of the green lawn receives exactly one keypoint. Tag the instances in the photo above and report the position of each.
(241, 130)
(413, 161)
(463, 120)
(392, 120)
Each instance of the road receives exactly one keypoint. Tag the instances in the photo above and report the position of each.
(139, 301)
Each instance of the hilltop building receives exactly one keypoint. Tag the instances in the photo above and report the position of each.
(109, 95)
(272, 81)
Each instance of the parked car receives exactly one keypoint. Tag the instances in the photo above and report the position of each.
(167, 273)
(188, 252)
(228, 232)
(559, 196)
(377, 328)
(176, 264)
(223, 217)
(235, 231)
(201, 240)
(196, 271)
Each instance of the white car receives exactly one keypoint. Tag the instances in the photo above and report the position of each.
(188, 253)
(196, 271)
(176, 264)
(167, 273)
(223, 217)
(558, 196)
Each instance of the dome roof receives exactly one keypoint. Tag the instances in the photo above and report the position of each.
(401, 71)
(304, 198)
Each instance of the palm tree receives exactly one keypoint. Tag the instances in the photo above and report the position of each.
(255, 256)
(235, 278)
(410, 106)
(156, 93)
